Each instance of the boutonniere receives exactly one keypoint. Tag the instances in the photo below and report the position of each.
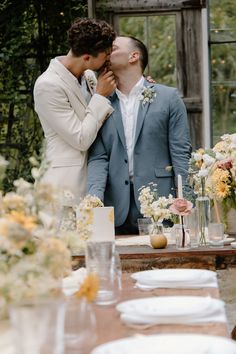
(91, 81)
(147, 95)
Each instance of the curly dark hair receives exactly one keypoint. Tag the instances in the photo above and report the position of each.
(90, 36)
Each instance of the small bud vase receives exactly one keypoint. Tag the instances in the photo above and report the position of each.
(182, 237)
(203, 214)
(157, 237)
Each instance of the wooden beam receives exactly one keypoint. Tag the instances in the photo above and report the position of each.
(91, 8)
(150, 5)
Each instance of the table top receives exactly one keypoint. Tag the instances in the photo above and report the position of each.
(142, 257)
(110, 327)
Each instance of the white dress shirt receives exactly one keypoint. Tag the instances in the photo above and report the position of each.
(129, 106)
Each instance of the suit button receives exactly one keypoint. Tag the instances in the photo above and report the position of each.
(126, 161)
(126, 182)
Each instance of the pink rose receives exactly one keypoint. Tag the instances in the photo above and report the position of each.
(225, 164)
(181, 207)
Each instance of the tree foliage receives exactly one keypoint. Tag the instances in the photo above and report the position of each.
(31, 33)
(223, 66)
(158, 34)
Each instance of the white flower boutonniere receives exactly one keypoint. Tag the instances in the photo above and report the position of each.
(91, 81)
(147, 95)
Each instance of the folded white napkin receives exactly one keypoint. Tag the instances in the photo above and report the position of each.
(72, 283)
(172, 310)
(175, 278)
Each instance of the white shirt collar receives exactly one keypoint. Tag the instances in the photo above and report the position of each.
(135, 89)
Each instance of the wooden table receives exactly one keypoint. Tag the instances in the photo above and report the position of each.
(136, 258)
(110, 327)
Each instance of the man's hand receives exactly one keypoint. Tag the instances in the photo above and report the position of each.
(150, 79)
(106, 83)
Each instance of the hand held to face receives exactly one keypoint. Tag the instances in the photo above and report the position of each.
(106, 83)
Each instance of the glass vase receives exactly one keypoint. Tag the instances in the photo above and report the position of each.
(182, 237)
(203, 215)
(157, 237)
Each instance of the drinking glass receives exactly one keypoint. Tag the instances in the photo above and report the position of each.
(80, 327)
(38, 326)
(216, 234)
(191, 222)
(143, 226)
(102, 259)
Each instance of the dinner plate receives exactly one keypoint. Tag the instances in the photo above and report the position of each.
(169, 344)
(177, 276)
(170, 306)
(228, 240)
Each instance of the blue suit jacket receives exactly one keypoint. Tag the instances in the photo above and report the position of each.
(161, 140)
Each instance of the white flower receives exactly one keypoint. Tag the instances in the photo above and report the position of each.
(197, 156)
(203, 173)
(208, 160)
(91, 81)
(147, 95)
(219, 156)
(152, 206)
(35, 173)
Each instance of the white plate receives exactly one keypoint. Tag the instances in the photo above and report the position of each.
(169, 344)
(228, 240)
(169, 306)
(162, 276)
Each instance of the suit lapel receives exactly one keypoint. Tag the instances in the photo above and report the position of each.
(118, 117)
(68, 79)
(143, 108)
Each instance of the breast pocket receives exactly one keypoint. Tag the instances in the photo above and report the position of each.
(162, 172)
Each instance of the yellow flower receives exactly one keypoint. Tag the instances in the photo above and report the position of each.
(89, 288)
(220, 175)
(220, 146)
(221, 190)
(201, 151)
(28, 222)
(199, 164)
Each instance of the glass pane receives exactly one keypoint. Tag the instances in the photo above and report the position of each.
(158, 33)
(222, 20)
(223, 78)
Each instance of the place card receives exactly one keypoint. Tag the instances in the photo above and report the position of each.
(102, 227)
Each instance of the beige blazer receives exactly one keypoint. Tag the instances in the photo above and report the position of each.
(70, 125)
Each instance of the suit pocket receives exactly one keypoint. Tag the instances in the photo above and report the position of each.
(62, 162)
(162, 172)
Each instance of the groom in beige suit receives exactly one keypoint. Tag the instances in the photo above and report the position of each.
(69, 107)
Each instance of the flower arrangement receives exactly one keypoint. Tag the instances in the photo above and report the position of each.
(32, 258)
(147, 95)
(152, 206)
(213, 172)
(162, 208)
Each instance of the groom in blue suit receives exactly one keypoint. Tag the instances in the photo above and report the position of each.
(146, 139)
